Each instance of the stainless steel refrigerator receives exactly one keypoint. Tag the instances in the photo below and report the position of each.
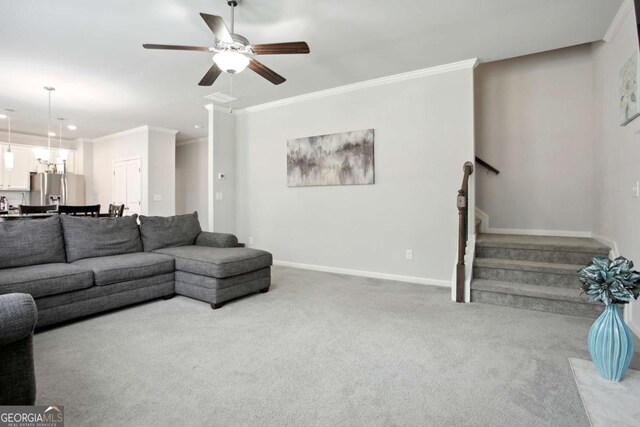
(57, 189)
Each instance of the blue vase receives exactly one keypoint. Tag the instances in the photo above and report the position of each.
(611, 344)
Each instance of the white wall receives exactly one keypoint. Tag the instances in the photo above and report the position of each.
(423, 136)
(534, 123)
(617, 151)
(162, 172)
(156, 149)
(191, 179)
(111, 148)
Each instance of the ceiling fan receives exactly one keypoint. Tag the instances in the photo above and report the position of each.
(233, 52)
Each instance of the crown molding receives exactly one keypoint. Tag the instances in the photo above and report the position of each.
(146, 128)
(122, 133)
(216, 107)
(618, 20)
(164, 130)
(439, 69)
(202, 140)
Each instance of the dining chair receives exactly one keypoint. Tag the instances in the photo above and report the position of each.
(90, 210)
(116, 210)
(31, 209)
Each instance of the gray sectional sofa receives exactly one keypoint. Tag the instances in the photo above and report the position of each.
(75, 266)
(17, 377)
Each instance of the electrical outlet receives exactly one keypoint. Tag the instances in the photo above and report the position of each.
(157, 197)
(221, 175)
(636, 190)
(409, 254)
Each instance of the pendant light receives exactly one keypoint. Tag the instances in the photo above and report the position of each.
(44, 156)
(62, 153)
(8, 155)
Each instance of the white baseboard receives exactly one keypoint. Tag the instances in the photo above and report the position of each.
(529, 232)
(628, 319)
(468, 263)
(361, 273)
(484, 225)
(614, 253)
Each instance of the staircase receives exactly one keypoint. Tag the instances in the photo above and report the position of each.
(534, 272)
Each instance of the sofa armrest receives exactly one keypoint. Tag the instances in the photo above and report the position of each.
(217, 240)
(18, 317)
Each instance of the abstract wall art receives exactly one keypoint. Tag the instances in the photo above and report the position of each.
(629, 102)
(337, 159)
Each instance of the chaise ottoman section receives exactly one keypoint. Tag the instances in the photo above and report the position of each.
(217, 291)
(217, 275)
(217, 262)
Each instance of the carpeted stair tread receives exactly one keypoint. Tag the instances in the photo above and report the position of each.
(551, 243)
(537, 291)
(522, 265)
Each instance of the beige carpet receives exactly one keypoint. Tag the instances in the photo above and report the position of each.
(318, 349)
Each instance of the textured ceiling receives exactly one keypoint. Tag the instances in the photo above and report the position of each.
(106, 82)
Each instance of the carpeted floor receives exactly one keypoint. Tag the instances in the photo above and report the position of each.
(318, 349)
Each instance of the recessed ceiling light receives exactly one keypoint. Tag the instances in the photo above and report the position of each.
(72, 127)
(197, 126)
(52, 134)
(3, 116)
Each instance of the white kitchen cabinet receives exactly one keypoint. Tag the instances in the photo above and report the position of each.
(17, 179)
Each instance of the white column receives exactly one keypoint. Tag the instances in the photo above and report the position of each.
(210, 173)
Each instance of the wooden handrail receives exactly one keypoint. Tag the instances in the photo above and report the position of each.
(463, 229)
(487, 165)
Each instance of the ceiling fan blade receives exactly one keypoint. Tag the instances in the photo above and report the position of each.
(211, 76)
(266, 72)
(175, 47)
(281, 48)
(216, 24)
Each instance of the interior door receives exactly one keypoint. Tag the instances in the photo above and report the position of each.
(127, 183)
(134, 190)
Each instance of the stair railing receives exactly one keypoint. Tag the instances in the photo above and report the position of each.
(487, 165)
(463, 229)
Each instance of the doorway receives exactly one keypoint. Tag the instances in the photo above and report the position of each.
(127, 185)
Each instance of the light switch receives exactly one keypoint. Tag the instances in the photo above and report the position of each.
(636, 190)
(218, 196)
(157, 197)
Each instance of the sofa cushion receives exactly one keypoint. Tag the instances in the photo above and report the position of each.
(165, 232)
(217, 240)
(45, 279)
(121, 268)
(96, 237)
(31, 242)
(218, 262)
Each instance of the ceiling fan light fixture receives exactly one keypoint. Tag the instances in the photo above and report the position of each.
(231, 62)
